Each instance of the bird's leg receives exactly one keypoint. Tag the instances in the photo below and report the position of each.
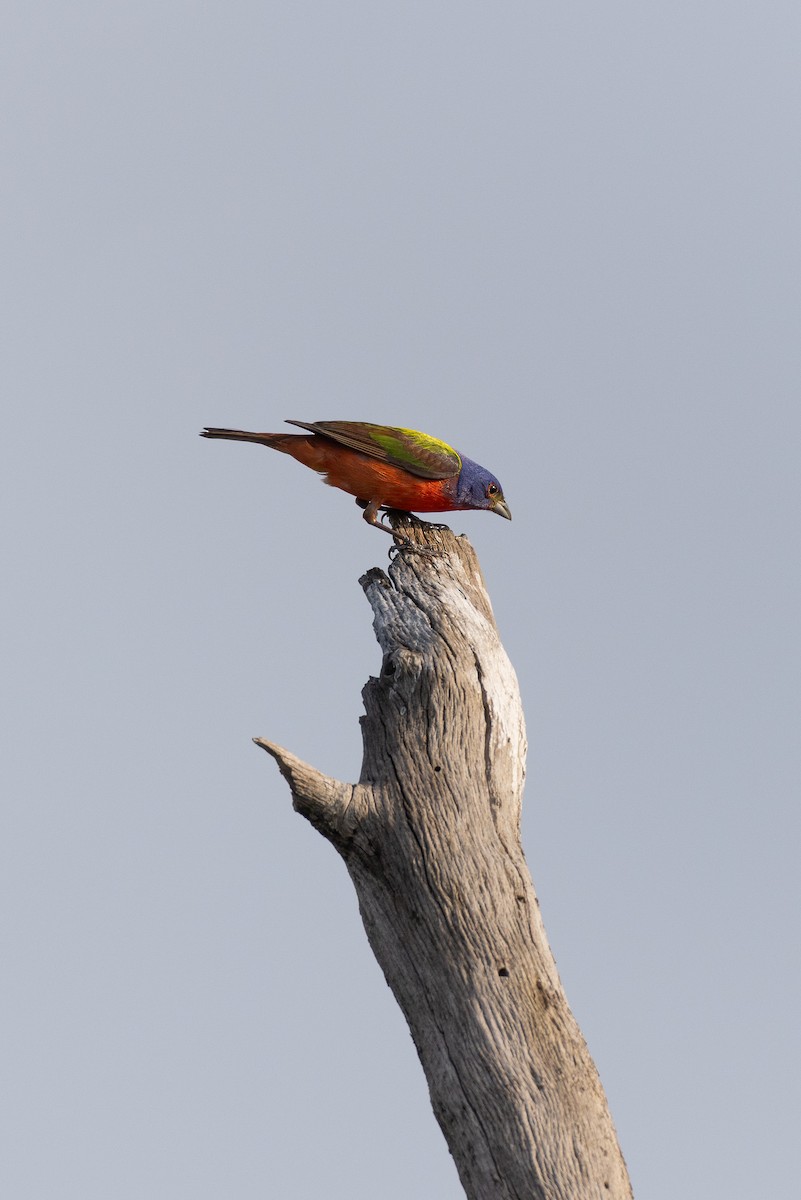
(372, 509)
(402, 512)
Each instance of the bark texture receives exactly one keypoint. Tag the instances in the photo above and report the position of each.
(430, 836)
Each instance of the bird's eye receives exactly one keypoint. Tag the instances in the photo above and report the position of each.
(492, 489)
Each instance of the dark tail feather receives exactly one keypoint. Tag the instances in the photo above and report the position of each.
(240, 435)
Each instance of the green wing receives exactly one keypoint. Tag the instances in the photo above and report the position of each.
(418, 453)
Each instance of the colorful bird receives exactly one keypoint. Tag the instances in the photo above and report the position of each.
(385, 467)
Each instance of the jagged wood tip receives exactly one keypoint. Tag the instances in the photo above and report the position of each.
(324, 801)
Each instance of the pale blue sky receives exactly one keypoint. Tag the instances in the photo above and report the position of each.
(564, 238)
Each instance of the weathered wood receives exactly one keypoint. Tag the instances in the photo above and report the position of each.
(430, 836)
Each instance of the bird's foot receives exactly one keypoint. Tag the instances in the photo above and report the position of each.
(375, 515)
(404, 546)
(403, 543)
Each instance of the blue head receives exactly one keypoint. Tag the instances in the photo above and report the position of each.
(477, 488)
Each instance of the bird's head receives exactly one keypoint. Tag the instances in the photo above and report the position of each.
(477, 488)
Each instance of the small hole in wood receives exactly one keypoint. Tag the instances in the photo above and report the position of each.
(437, 770)
(504, 974)
(389, 667)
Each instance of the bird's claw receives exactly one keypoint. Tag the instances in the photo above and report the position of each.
(403, 545)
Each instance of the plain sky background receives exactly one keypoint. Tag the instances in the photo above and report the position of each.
(563, 237)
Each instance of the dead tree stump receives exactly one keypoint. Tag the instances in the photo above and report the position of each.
(431, 837)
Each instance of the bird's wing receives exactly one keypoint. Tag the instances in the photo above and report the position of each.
(416, 452)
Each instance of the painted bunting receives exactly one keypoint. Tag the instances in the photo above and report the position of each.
(385, 467)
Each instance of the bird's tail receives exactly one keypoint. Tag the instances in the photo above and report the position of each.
(241, 435)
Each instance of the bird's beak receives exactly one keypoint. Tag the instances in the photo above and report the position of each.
(500, 507)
